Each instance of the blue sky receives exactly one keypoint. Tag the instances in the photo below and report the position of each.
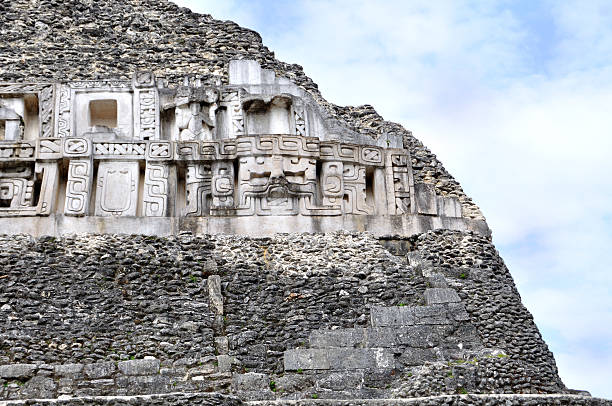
(515, 98)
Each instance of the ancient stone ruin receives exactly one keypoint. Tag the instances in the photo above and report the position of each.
(184, 219)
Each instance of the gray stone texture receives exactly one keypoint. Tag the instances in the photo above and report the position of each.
(310, 297)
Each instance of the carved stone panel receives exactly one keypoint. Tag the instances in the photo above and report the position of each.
(197, 189)
(274, 185)
(231, 101)
(156, 189)
(355, 190)
(49, 172)
(78, 187)
(222, 185)
(332, 183)
(117, 189)
(147, 121)
(16, 193)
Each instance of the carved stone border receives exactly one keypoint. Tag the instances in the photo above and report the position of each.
(66, 92)
(44, 91)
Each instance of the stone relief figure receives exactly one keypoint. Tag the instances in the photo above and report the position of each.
(195, 122)
(273, 185)
(195, 113)
(11, 123)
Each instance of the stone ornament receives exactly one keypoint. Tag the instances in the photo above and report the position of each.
(194, 150)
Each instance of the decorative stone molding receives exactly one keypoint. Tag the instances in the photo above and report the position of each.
(261, 148)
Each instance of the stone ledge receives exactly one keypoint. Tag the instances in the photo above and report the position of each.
(253, 226)
(179, 398)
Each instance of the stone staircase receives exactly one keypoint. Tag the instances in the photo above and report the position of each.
(353, 362)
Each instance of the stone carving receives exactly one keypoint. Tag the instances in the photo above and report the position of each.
(274, 185)
(78, 187)
(44, 93)
(231, 101)
(120, 150)
(48, 187)
(195, 122)
(234, 150)
(16, 193)
(159, 150)
(299, 117)
(332, 183)
(117, 189)
(18, 151)
(49, 149)
(222, 185)
(156, 189)
(72, 108)
(11, 123)
(197, 189)
(355, 190)
(149, 127)
(399, 175)
(77, 147)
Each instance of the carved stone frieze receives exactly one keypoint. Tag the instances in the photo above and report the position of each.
(225, 150)
(156, 189)
(117, 188)
(78, 187)
(197, 189)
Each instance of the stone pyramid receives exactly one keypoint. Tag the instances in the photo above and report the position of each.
(186, 220)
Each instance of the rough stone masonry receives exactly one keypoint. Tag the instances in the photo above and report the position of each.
(185, 219)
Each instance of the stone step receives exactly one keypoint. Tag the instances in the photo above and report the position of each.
(338, 359)
(435, 314)
(441, 296)
(376, 337)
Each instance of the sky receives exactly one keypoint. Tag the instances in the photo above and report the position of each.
(515, 99)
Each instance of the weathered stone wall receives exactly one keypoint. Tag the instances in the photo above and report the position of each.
(474, 268)
(47, 40)
(104, 298)
(341, 315)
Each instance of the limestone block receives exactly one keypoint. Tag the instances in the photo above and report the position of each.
(224, 363)
(449, 206)
(417, 356)
(139, 366)
(441, 295)
(338, 359)
(214, 294)
(417, 336)
(17, 370)
(251, 381)
(426, 200)
(336, 338)
(117, 188)
(39, 387)
(409, 316)
(100, 370)
(144, 385)
(245, 72)
(457, 312)
(68, 370)
(392, 316)
(306, 359)
(437, 280)
(431, 315)
(337, 381)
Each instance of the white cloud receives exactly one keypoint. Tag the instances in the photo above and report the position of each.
(519, 112)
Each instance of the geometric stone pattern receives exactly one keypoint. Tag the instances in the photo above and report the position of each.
(228, 150)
